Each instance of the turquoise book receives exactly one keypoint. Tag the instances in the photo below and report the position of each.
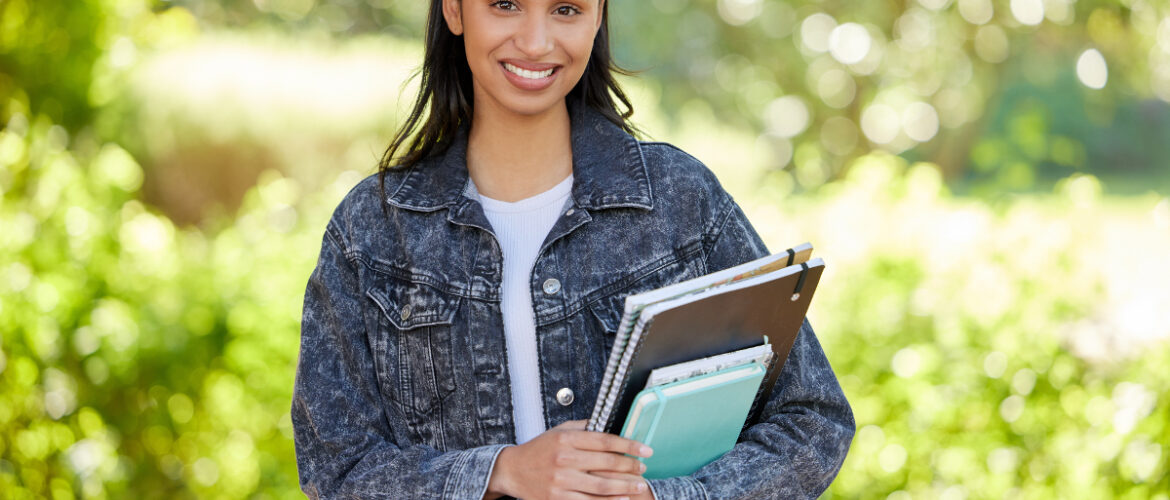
(691, 422)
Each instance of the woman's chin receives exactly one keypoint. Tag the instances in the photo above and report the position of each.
(532, 106)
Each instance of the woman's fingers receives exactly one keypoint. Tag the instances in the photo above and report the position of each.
(598, 461)
(600, 441)
(635, 478)
(573, 425)
(576, 436)
(619, 475)
(603, 486)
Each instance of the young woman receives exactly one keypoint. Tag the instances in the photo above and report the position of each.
(466, 297)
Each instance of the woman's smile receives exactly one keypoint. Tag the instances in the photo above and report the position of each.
(530, 76)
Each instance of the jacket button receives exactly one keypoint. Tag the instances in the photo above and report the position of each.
(552, 286)
(405, 312)
(570, 212)
(565, 396)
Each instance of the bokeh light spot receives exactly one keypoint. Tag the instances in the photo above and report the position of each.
(1059, 11)
(991, 44)
(206, 471)
(1092, 70)
(880, 123)
(787, 116)
(934, 4)
(19, 277)
(906, 362)
(77, 221)
(1133, 402)
(1011, 408)
(920, 121)
(915, 30)
(1140, 460)
(1003, 460)
(815, 30)
(1163, 35)
(1024, 381)
(892, 458)
(836, 88)
(1029, 12)
(739, 12)
(181, 408)
(976, 11)
(849, 43)
(994, 364)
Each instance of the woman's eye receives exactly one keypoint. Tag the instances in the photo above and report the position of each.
(567, 10)
(504, 5)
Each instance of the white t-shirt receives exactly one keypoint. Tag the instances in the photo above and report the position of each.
(520, 228)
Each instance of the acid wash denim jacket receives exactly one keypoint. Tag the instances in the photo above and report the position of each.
(402, 384)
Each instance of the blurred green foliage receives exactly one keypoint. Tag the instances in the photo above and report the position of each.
(987, 348)
(47, 52)
(140, 359)
(935, 79)
(969, 340)
(63, 57)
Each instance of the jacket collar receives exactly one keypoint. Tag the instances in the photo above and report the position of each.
(608, 169)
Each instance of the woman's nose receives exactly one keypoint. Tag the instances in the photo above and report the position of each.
(534, 38)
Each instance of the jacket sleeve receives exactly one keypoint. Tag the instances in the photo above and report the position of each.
(806, 427)
(345, 446)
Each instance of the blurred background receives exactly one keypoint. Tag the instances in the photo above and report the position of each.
(987, 180)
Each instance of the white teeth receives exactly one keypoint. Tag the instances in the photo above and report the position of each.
(531, 75)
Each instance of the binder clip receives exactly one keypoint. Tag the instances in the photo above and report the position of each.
(800, 281)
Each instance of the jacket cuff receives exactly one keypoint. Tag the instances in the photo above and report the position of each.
(677, 488)
(471, 472)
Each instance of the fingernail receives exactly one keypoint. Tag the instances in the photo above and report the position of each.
(641, 487)
(645, 451)
(641, 468)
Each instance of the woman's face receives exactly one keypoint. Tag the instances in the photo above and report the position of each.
(525, 55)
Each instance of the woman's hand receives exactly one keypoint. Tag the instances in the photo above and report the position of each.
(560, 463)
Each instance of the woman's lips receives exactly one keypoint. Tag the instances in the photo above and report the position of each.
(529, 76)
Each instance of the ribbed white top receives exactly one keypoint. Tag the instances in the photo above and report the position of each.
(520, 229)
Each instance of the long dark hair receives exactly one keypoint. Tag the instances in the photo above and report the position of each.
(445, 99)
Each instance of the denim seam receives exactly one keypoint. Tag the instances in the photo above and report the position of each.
(393, 271)
(330, 230)
(717, 230)
(645, 173)
(453, 474)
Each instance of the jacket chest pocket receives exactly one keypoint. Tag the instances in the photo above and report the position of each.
(413, 345)
(607, 309)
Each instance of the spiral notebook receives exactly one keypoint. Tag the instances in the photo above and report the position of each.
(715, 314)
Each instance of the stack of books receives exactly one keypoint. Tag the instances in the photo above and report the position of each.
(693, 363)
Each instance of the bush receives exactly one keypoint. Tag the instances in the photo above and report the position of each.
(139, 358)
(1011, 351)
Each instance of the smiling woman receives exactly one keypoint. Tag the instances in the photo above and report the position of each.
(524, 60)
(456, 327)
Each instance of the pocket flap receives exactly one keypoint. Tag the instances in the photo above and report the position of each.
(408, 305)
(608, 312)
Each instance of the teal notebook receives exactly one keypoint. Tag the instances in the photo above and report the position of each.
(694, 421)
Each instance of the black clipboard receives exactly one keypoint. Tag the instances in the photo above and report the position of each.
(724, 322)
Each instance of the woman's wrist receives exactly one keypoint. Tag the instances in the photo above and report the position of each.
(499, 482)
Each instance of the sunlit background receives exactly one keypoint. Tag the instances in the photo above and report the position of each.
(986, 179)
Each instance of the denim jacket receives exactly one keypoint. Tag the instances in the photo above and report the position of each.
(402, 384)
